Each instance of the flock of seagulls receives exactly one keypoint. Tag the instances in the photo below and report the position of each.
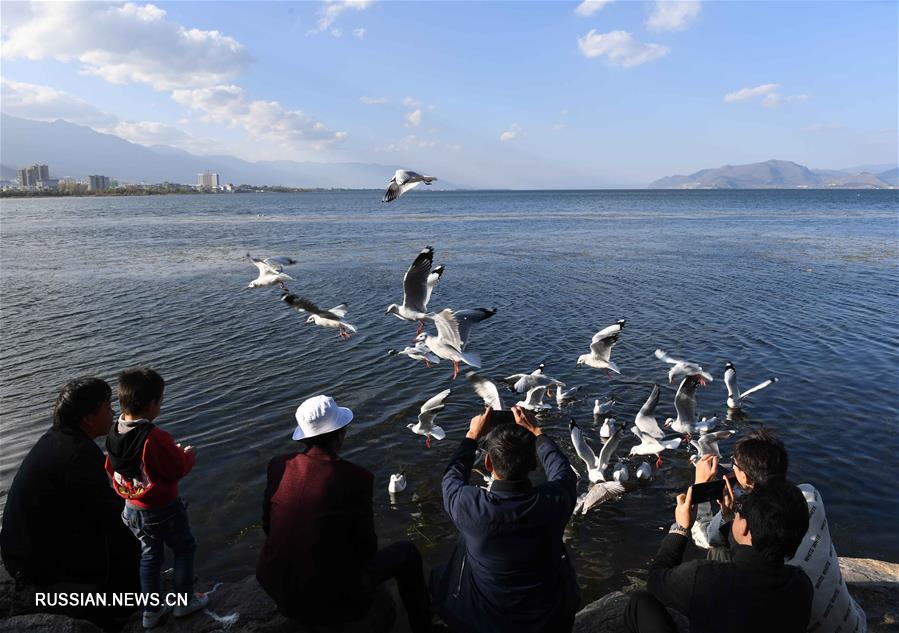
(609, 475)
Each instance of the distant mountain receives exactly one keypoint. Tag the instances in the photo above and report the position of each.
(76, 151)
(891, 176)
(772, 174)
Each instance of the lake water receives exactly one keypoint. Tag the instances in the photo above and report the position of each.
(798, 284)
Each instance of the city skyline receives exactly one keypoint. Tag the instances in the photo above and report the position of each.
(526, 95)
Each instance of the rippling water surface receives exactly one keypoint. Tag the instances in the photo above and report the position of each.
(799, 284)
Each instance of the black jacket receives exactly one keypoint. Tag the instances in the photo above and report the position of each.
(747, 595)
(510, 570)
(62, 521)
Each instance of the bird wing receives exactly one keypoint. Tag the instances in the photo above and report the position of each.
(393, 192)
(649, 407)
(339, 311)
(415, 281)
(600, 493)
(448, 329)
(730, 381)
(663, 356)
(608, 331)
(487, 391)
(581, 447)
(645, 420)
(608, 449)
(758, 387)
(430, 408)
(402, 176)
(467, 318)
(535, 395)
(433, 278)
(264, 267)
(601, 345)
(305, 305)
(685, 399)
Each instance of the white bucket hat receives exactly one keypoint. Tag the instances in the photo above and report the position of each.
(319, 415)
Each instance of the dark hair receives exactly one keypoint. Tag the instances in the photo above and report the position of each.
(139, 387)
(777, 514)
(762, 456)
(325, 440)
(79, 398)
(512, 450)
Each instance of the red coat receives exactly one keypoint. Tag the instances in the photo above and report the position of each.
(164, 463)
(317, 514)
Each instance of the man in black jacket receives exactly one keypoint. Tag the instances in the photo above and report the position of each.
(754, 592)
(62, 529)
(510, 570)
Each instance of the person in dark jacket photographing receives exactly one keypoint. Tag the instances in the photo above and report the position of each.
(755, 591)
(510, 570)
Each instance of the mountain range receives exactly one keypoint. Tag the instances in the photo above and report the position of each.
(779, 174)
(76, 151)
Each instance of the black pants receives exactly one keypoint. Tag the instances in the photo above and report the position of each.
(402, 561)
(645, 614)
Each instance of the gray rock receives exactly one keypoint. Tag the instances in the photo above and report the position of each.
(875, 586)
(46, 623)
(606, 615)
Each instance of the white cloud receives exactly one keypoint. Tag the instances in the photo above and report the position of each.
(373, 100)
(671, 15)
(359, 33)
(513, 132)
(619, 48)
(556, 127)
(336, 32)
(589, 7)
(409, 102)
(332, 11)
(743, 94)
(124, 44)
(43, 103)
(263, 119)
(413, 119)
(770, 98)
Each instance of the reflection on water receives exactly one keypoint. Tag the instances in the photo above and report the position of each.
(802, 285)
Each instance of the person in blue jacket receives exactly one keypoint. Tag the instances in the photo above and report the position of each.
(510, 570)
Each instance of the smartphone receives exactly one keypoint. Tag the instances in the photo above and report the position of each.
(709, 491)
(501, 417)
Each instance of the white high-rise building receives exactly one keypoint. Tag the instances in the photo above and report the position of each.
(208, 180)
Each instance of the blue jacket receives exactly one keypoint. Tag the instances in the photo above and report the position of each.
(510, 570)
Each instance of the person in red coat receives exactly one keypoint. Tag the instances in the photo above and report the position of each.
(320, 562)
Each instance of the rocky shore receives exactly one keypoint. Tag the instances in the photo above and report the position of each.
(242, 607)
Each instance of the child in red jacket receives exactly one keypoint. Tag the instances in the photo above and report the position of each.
(145, 465)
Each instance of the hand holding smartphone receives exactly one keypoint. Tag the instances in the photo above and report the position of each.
(709, 491)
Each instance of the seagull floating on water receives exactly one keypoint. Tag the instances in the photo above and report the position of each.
(601, 349)
(397, 482)
(681, 368)
(567, 396)
(325, 318)
(734, 396)
(425, 425)
(608, 428)
(403, 180)
(418, 283)
(453, 329)
(270, 271)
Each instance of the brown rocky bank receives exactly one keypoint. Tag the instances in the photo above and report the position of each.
(243, 607)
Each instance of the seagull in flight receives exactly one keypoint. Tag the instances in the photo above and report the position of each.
(270, 271)
(601, 349)
(645, 420)
(707, 444)
(600, 490)
(734, 396)
(420, 353)
(526, 382)
(418, 283)
(685, 405)
(325, 318)
(487, 390)
(453, 330)
(534, 400)
(682, 368)
(402, 181)
(651, 446)
(425, 425)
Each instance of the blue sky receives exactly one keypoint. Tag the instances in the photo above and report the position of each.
(506, 94)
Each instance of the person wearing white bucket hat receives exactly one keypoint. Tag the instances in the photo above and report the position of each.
(320, 561)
